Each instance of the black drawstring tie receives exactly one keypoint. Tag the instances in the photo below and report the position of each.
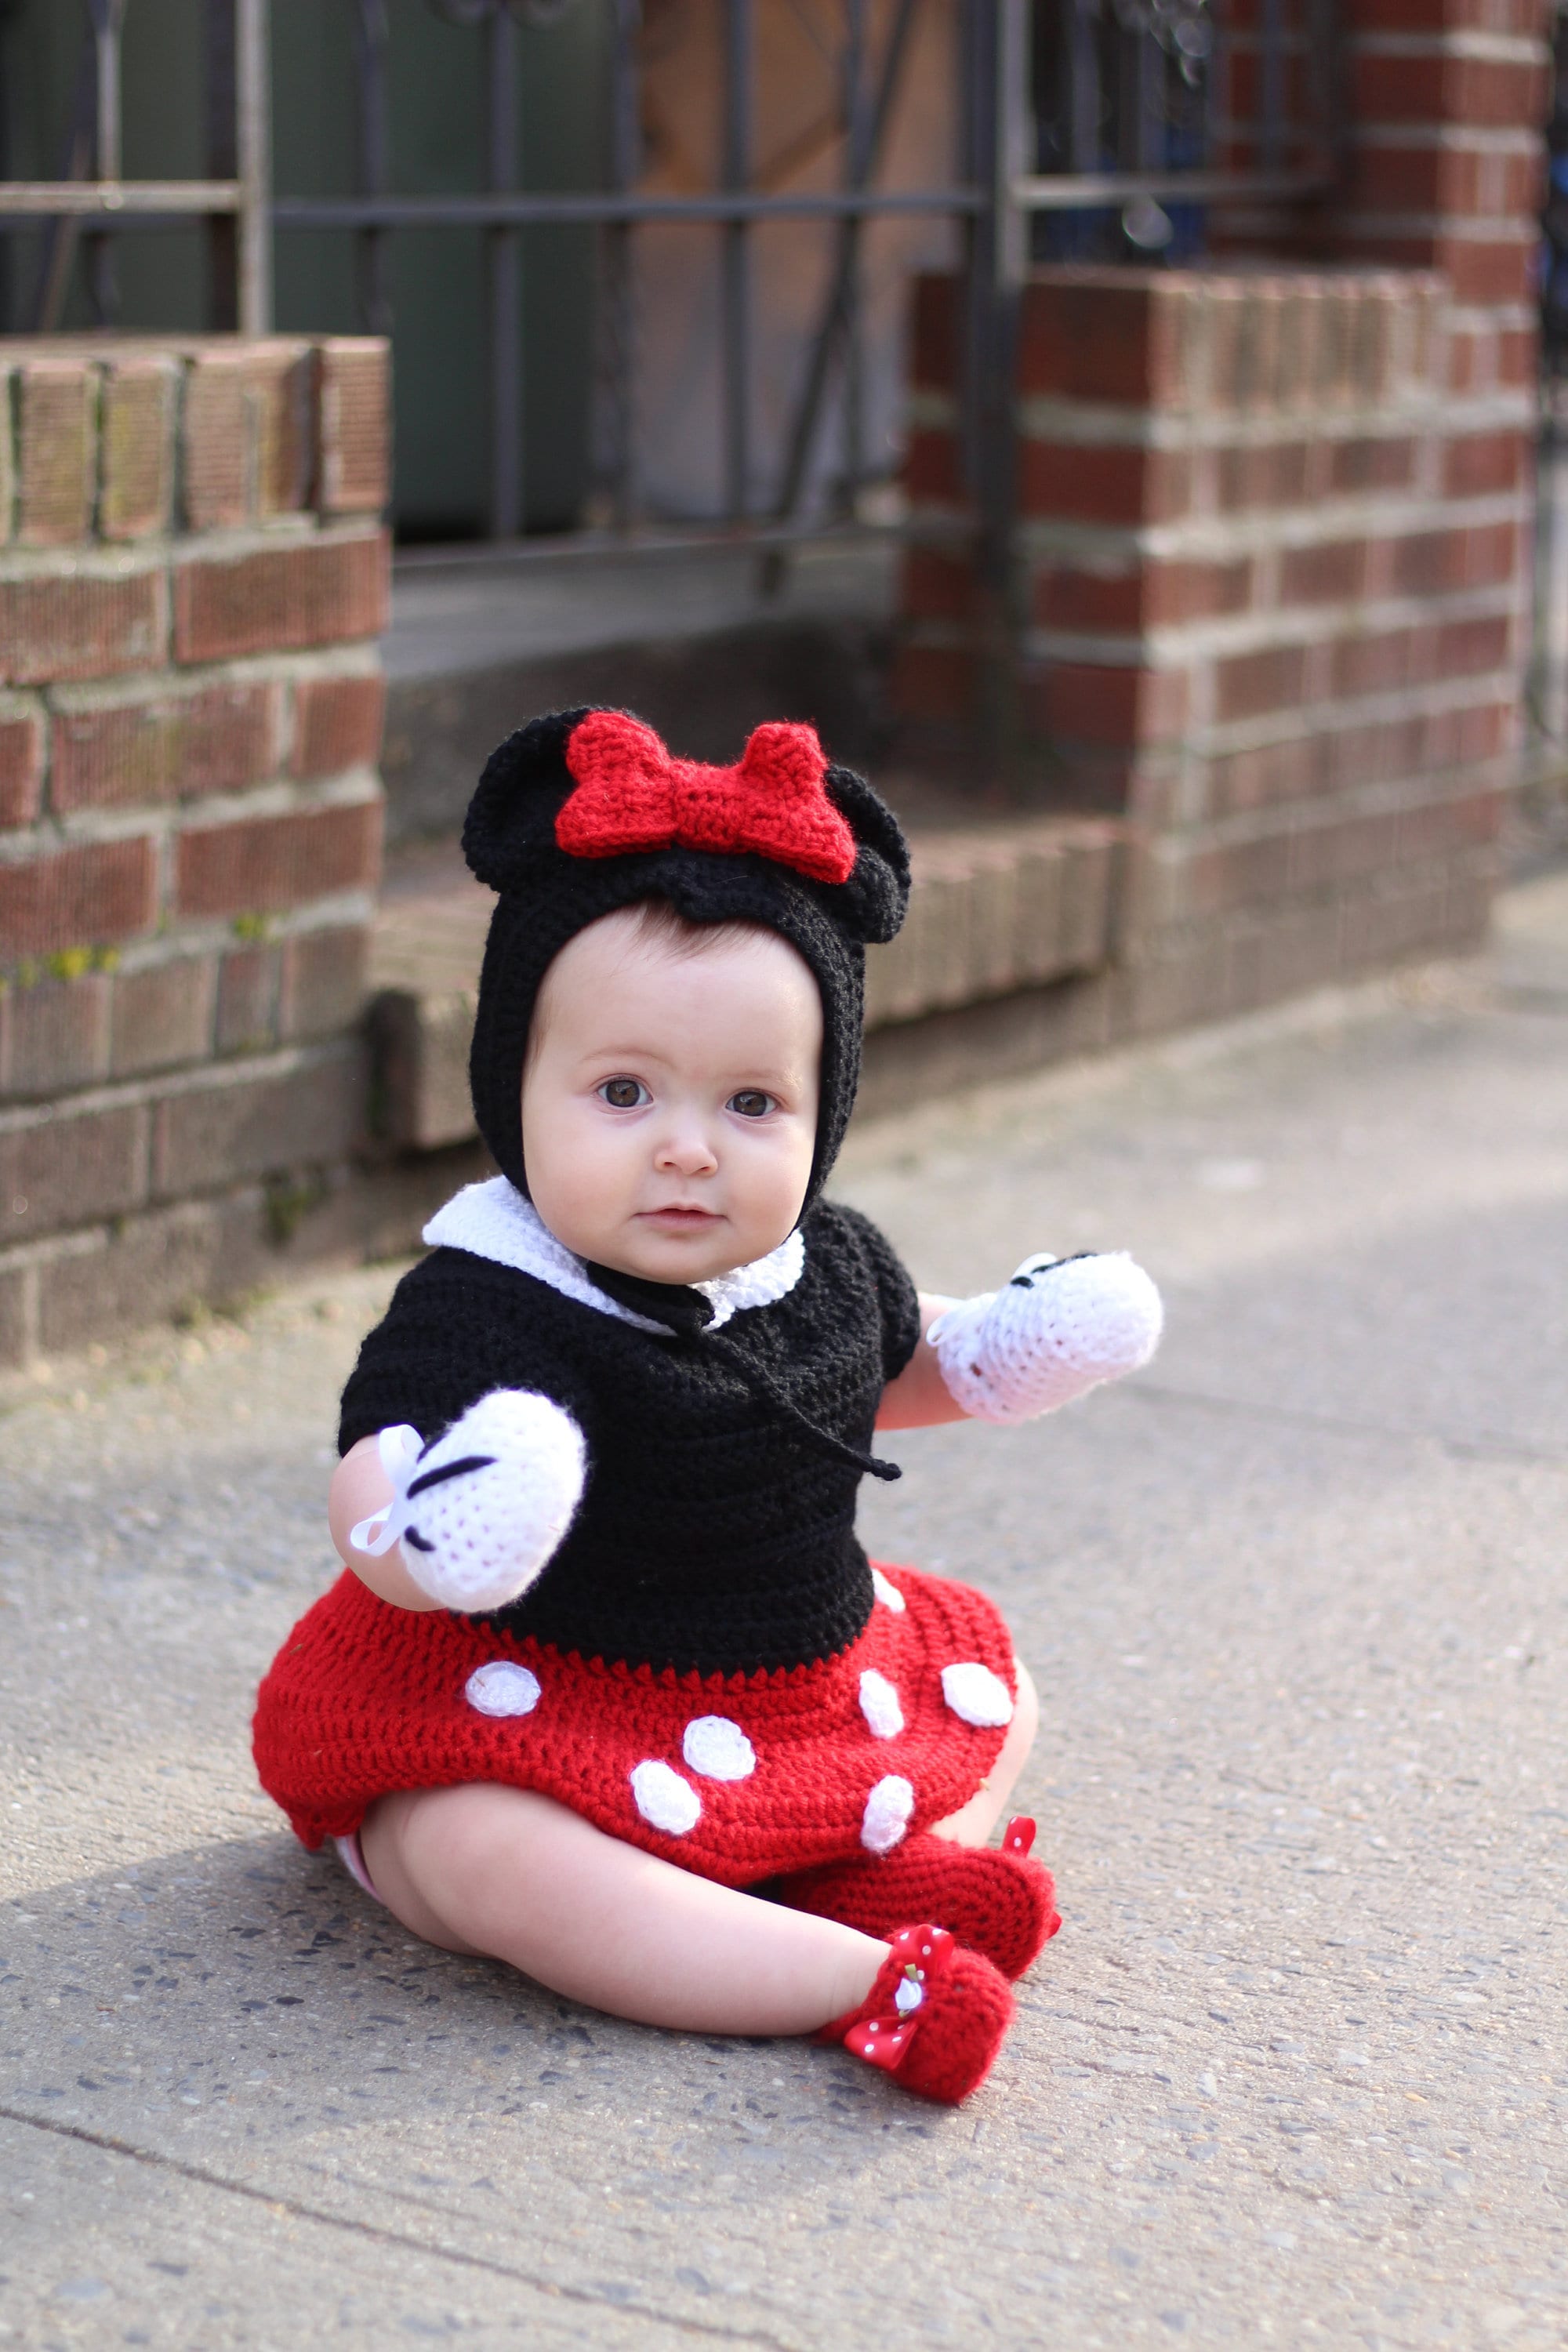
(686, 1313)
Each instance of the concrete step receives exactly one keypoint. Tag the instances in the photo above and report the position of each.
(998, 908)
(704, 643)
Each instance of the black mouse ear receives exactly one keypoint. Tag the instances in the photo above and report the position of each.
(872, 903)
(511, 816)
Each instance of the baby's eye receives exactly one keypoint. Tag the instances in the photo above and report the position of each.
(751, 1103)
(623, 1094)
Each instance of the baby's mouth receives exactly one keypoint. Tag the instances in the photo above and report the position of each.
(680, 1214)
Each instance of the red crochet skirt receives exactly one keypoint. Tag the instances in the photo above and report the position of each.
(736, 1777)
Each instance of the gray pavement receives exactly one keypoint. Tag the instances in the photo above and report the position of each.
(1294, 2073)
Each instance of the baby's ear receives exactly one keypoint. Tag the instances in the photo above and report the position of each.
(511, 816)
(872, 902)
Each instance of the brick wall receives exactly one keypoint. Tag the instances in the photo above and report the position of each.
(192, 575)
(1274, 546)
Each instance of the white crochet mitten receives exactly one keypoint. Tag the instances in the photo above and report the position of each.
(1060, 1327)
(481, 1509)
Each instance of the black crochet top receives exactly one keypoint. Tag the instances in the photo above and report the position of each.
(715, 1532)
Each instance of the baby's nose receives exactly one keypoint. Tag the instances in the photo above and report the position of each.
(689, 1150)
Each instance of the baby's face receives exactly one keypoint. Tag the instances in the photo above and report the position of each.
(669, 1104)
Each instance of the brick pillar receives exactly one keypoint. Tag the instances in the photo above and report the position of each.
(192, 575)
(1446, 106)
(1273, 541)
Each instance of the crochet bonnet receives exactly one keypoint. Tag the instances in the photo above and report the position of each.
(585, 810)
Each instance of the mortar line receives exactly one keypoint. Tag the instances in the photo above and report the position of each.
(378, 2235)
(1477, 1449)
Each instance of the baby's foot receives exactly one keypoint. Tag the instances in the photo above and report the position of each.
(934, 2018)
(1003, 1904)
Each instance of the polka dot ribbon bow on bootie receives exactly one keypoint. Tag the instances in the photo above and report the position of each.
(934, 2018)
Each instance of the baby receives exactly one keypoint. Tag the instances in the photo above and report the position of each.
(608, 1689)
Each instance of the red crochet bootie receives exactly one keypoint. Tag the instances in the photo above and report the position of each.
(1001, 1904)
(936, 2018)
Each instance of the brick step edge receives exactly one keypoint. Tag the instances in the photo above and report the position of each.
(991, 913)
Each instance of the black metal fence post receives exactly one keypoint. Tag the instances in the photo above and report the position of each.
(503, 254)
(997, 80)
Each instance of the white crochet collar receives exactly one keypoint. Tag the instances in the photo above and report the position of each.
(493, 1220)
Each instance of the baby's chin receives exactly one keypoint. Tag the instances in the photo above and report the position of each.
(655, 1254)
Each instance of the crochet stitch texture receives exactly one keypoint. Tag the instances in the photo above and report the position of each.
(712, 1535)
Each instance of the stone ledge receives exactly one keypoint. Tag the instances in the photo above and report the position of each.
(993, 911)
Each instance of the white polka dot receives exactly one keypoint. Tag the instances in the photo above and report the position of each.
(887, 1815)
(879, 1705)
(976, 1695)
(664, 1799)
(502, 1689)
(718, 1748)
(887, 1592)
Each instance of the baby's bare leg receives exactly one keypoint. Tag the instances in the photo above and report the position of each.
(509, 1873)
(974, 1822)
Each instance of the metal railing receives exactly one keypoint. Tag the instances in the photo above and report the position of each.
(1093, 109)
(91, 196)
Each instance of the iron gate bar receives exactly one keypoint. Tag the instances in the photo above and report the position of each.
(619, 323)
(1216, 189)
(119, 200)
(802, 432)
(372, 33)
(740, 67)
(503, 254)
(480, 211)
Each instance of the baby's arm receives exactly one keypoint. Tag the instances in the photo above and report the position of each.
(468, 1520)
(360, 1488)
(1059, 1327)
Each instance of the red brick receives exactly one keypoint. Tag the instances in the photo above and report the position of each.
(933, 468)
(1146, 596)
(21, 759)
(353, 424)
(1108, 334)
(1270, 679)
(174, 746)
(1383, 463)
(935, 683)
(313, 593)
(1477, 555)
(1274, 474)
(1444, 87)
(246, 433)
(257, 1125)
(323, 985)
(137, 447)
(1103, 483)
(64, 1170)
(56, 1035)
(81, 623)
(1526, 18)
(936, 586)
(1377, 661)
(934, 332)
(1446, 178)
(259, 865)
(1483, 463)
(95, 892)
(1330, 574)
(1268, 773)
(249, 980)
(337, 724)
(1100, 703)
(164, 1015)
(1466, 647)
(56, 414)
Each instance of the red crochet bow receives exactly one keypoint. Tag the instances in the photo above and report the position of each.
(631, 795)
(924, 1956)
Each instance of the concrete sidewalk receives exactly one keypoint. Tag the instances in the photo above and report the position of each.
(1294, 2073)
